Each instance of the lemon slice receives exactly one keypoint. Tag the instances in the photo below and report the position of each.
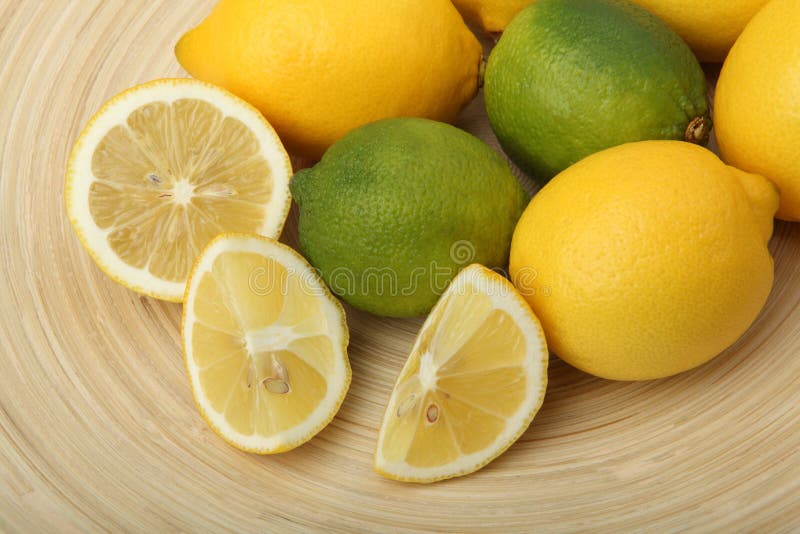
(471, 386)
(164, 167)
(265, 344)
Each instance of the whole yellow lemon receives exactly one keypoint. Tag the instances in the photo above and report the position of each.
(319, 68)
(646, 259)
(710, 27)
(757, 103)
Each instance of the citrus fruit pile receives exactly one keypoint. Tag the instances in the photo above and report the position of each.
(641, 256)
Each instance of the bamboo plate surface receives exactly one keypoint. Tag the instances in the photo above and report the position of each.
(98, 430)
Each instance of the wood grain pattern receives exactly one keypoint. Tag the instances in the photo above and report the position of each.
(98, 430)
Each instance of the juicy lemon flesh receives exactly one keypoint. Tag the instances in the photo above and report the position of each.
(260, 345)
(464, 381)
(172, 177)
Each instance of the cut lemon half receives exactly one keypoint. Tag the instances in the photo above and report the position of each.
(471, 386)
(265, 344)
(164, 167)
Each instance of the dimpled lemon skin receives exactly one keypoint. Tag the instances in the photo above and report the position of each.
(320, 68)
(757, 102)
(647, 259)
(490, 15)
(709, 27)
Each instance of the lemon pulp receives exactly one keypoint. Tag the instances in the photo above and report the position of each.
(162, 169)
(473, 382)
(264, 345)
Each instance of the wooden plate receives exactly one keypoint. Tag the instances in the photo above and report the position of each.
(98, 429)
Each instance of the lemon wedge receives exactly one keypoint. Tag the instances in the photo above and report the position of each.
(265, 344)
(474, 380)
(161, 169)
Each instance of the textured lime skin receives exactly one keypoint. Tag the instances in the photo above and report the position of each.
(569, 78)
(395, 209)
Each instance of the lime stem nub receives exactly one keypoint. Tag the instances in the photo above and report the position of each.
(698, 130)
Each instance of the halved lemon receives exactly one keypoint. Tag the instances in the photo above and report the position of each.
(265, 344)
(474, 380)
(161, 169)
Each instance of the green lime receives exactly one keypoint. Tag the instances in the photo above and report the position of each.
(396, 208)
(569, 78)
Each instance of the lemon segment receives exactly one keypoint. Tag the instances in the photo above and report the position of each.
(265, 344)
(164, 167)
(471, 386)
